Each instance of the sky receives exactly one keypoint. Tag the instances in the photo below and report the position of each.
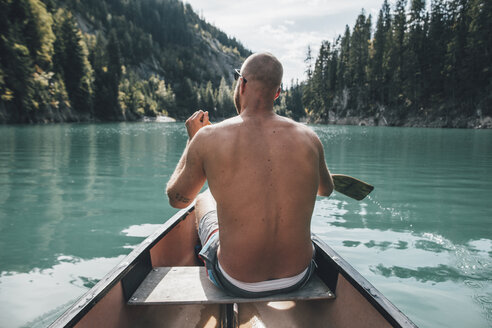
(285, 28)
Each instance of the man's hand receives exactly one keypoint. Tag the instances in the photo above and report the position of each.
(198, 120)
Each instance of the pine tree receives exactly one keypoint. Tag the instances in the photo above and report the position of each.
(438, 38)
(293, 101)
(343, 72)
(207, 102)
(166, 98)
(114, 73)
(38, 33)
(380, 46)
(16, 60)
(321, 80)
(398, 53)
(359, 59)
(107, 66)
(19, 86)
(456, 48)
(309, 63)
(415, 56)
(71, 61)
(225, 102)
(479, 54)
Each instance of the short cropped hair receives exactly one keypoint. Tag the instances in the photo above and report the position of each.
(264, 68)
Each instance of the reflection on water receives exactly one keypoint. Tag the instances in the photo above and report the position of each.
(407, 260)
(432, 168)
(439, 273)
(41, 295)
(75, 198)
(85, 179)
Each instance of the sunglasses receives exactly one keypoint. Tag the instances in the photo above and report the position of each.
(237, 75)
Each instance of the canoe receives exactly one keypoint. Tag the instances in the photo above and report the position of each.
(161, 283)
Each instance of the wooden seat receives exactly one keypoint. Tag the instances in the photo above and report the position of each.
(190, 285)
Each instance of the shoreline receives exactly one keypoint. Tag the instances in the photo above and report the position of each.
(459, 122)
(413, 122)
(157, 119)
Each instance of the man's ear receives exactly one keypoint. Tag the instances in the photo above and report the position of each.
(242, 86)
(277, 94)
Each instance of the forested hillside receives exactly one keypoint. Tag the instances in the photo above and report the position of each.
(97, 60)
(414, 67)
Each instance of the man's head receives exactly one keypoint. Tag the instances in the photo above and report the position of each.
(263, 73)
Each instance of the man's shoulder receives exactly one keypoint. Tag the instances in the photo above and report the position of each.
(208, 133)
(304, 134)
(299, 127)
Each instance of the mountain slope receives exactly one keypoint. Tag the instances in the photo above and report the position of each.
(111, 60)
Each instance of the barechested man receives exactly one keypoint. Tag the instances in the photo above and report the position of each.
(264, 172)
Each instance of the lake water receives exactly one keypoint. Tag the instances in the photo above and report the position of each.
(76, 198)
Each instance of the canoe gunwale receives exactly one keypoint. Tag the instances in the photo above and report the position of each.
(119, 273)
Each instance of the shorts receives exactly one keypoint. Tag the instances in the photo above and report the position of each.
(208, 231)
(208, 225)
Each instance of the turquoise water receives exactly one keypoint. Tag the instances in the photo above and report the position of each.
(76, 198)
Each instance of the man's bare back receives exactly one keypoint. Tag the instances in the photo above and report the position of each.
(264, 172)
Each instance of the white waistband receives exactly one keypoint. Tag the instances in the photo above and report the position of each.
(266, 285)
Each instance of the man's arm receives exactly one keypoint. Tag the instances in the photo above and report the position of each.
(326, 185)
(189, 177)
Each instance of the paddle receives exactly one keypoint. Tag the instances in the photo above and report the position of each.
(351, 187)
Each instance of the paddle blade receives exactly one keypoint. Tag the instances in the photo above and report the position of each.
(351, 187)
